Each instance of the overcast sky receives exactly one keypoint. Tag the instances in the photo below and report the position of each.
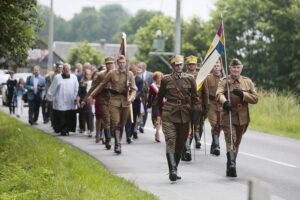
(200, 8)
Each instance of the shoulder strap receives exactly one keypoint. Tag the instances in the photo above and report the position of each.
(177, 87)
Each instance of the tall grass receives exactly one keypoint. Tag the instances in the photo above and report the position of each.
(34, 165)
(276, 113)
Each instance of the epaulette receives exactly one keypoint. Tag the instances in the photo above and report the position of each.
(167, 77)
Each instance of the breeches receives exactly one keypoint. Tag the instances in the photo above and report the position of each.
(118, 117)
(214, 118)
(175, 135)
(237, 134)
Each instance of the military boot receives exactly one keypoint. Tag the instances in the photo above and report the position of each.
(215, 146)
(231, 165)
(172, 166)
(186, 153)
(107, 138)
(177, 159)
(118, 137)
(197, 137)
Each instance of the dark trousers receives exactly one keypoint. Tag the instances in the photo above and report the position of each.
(86, 117)
(44, 110)
(64, 121)
(129, 127)
(34, 108)
(10, 103)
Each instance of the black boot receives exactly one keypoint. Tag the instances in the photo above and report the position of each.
(107, 138)
(231, 165)
(177, 159)
(197, 139)
(186, 153)
(215, 146)
(172, 166)
(118, 137)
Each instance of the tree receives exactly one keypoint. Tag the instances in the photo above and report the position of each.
(145, 37)
(82, 53)
(19, 24)
(267, 40)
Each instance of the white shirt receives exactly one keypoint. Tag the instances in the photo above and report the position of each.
(35, 83)
(63, 92)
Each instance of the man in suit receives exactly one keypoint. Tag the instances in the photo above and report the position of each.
(35, 84)
(147, 77)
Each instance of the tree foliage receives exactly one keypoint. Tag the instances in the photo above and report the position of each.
(18, 24)
(82, 53)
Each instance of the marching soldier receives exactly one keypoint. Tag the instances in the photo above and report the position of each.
(214, 111)
(102, 100)
(182, 102)
(123, 91)
(241, 92)
(196, 129)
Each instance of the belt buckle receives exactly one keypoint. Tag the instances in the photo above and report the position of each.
(178, 102)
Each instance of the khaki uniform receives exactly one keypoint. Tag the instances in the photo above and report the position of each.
(118, 103)
(181, 99)
(214, 108)
(240, 111)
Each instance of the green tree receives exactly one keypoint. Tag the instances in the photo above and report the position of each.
(264, 34)
(18, 24)
(147, 34)
(82, 53)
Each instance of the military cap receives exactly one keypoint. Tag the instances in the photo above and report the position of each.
(177, 59)
(191, 60)
(109, 59)
(121, 57)
(235, 62)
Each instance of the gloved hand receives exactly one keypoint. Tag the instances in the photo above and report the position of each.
(195, 116)
(227, 106)
(238, 93)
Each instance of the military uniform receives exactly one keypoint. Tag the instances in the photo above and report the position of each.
(214, 112)
(239, 113)
(102, 100)
(118, 103)
(179, 90)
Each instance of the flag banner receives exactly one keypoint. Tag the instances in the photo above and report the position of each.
(123, 48)
(214, 52)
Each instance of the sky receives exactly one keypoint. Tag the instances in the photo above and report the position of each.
(200, 8)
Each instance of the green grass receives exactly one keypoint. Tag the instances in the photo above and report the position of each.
(276, 113)
(34, 165)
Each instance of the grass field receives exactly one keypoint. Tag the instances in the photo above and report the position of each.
(34, 165)
(276, 113)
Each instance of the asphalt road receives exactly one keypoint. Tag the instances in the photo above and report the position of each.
(274, 160)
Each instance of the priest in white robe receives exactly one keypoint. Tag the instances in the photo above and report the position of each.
(62, 93)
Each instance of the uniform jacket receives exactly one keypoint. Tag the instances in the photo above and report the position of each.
(118, 89)
(240, 110)
(41, 87)
(181, 98)
(212, 84)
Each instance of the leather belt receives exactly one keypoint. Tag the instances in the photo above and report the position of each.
(177, 101)
(117, 93)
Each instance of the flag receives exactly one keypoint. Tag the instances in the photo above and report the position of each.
(123, 50)
(214, 52)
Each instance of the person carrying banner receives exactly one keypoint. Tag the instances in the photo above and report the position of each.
(119, 99)
(214, 109)
(181, 106)
(242, 92)
(196, 129)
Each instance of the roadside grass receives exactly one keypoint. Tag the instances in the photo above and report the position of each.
(276, 113)
(34, 165)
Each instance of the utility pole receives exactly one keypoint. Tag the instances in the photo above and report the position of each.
(177, 39)
(50, 39)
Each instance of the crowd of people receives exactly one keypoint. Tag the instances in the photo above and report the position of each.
(119, 100)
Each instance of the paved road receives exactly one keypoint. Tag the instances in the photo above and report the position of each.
(272, 159)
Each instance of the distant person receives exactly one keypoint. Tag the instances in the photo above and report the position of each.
(78, 71)
(214, 108)
(35, 84)
(242, 92)
(147, 77)
(18, 96)
(11, 84)
(63, 93)
(156, 110)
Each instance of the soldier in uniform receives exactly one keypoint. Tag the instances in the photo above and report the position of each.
(214, 111)
(241, 92)
(179, 90)
(196, 129)
(122, 94)
(102, 100)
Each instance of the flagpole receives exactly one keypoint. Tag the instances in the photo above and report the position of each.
(227, 85)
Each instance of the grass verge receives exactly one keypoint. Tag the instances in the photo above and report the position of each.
(34, 165)
(276, 113)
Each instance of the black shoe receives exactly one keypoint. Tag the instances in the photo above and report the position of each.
(30, 122)
(46, 121)
(128, 140)
(135, 135)
(186, 153)
(141, 129)
(231, 164)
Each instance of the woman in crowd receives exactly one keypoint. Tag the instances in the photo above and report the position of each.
(11, 86)
(18, 95)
